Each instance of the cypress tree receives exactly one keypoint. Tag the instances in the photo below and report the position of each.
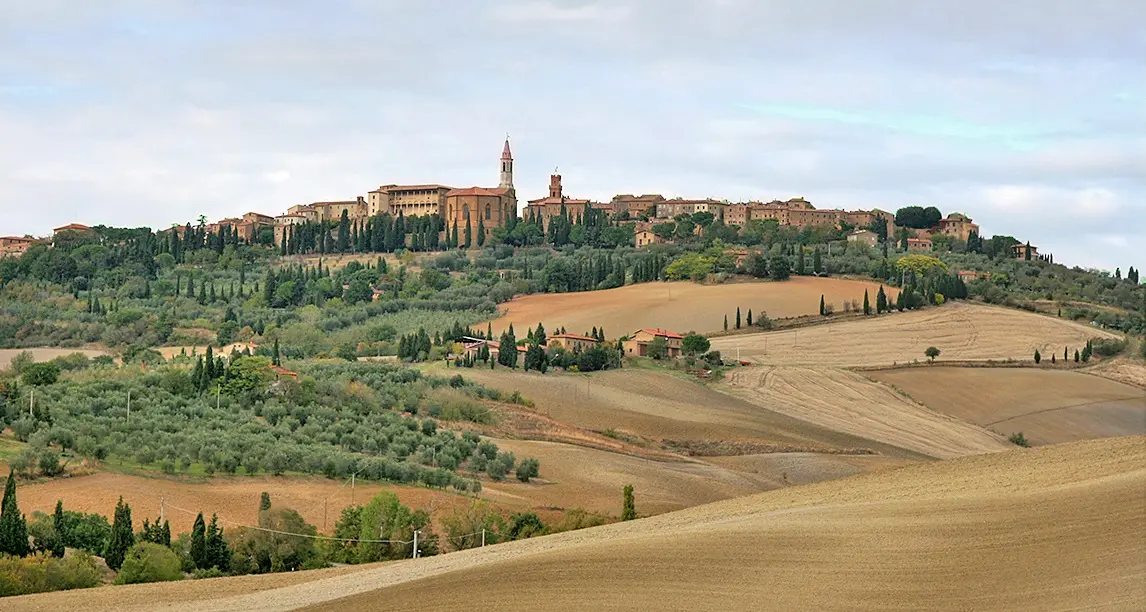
(481, 231)
(264, 501)
(749, 320)
(866, 303)
(817, 262)
(277, 357)
(737, 317)
(218, 553)
(122, 536)
(725, 322)
(628, 504)
(13, 528)
(880, 301)
(800, 260)
(1038, 357)
(63, 535)
(1076, 355)
(822, 305)
(199, 543)
(469, 236)
(165, 534)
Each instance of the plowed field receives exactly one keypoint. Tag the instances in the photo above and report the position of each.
(961, 331)
(1048, 406)
(679, 306)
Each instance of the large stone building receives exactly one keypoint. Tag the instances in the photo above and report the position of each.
(546, 208)
(637, 206)
(407, 200)
(484, 207)
(667, 209)
(331, 211)
(957, 225)
(13, 246)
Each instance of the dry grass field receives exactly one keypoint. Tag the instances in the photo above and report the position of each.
(655, 406)
(45, 354)
(847, 402)
(1048, 406)
(679, 306)
(962, 331)
(1057, 527)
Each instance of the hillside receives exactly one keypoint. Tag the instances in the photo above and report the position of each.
(1048, 406)
(679, 306)
(962, 331)
(1055, 527)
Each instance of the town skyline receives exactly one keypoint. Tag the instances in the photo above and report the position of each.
(176, 110)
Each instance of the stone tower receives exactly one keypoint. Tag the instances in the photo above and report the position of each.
(506, 167)
(555, 186)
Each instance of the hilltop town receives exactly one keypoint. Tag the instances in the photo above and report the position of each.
(474, 216)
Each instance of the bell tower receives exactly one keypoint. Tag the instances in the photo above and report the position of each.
(506, 166)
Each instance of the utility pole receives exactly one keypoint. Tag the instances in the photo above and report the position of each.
(161, 504)
(352, 488)
(483, 537)
(129, 404)
(415, 543)
(32, 402)
(218, 393)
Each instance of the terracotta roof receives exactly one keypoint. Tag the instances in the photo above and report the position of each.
(479, 191)
(17, 238)
(660, 332)
(340, 203)
(389, 188)
(72, 226)
(552, 200)
(573, 337)
(259, 215)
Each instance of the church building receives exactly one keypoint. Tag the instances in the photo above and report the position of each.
(482, 208)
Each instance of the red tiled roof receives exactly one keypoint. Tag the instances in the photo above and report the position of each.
(72, 226)
(552, 200)
(389, 188)
(661, 332)
(479, 191)
(574, 337)
(340, 203)
(17, 238)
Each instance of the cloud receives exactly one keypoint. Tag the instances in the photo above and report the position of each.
(138, 112)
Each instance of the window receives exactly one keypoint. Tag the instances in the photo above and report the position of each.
(466, 211)
(487, 212)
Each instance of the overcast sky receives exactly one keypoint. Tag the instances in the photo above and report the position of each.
(1026, 115)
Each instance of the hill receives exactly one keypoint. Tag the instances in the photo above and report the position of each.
(679, 306)
(962, 331)
(1048, 406)
(1055, 527)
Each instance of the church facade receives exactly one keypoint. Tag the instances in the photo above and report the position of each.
(482, 208)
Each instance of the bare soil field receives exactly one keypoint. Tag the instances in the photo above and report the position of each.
(45, 354)
(235, 499)
(657, 406)
(807, 468)
(576, 477)
(1048, 406)
(962, 331)
(1121, 369)
(1057, 527)
(678, 306)
(847, 402)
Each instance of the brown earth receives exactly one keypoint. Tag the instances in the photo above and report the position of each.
(845, 401)
(1048, 406)
(962, 331)
(1121, 369)
(1057, 527)
(656, 406)
(678, 306)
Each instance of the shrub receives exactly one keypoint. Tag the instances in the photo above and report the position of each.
(1107, 347)
(694, 344)
(41, 573)
(528, 468)
(148, 562)
(1019, 439)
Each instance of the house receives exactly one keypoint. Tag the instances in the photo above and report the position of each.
(646, 237)
(471, 346)
(72, 227)
(918, 244)
(970, 275)
(571, 342)
(281, 372)
(864, 236)
(638, 343)
(1020, 251)
(958, 225)
(15, 245)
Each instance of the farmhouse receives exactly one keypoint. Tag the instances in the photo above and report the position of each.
(864, 236)
(571, 342)
(918, 244)
(15, 245)
(638, 343)
(1025, 251)
(646, 237)
(958, 225)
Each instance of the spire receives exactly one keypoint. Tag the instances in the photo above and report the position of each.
(505, 152)
(506, 181)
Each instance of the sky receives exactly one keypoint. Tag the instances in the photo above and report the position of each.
(1027, 115)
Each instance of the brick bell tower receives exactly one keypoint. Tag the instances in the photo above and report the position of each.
(555, 186)
(506, 166)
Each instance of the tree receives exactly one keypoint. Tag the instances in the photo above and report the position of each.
(40, 374)
(13, 527)
(694, 344)
(822, 309)
(149, 562)
(881, 301)
(61, 526)
(866, 304)
(218, 554)
(199, 543)
(628, 504)
(737, 317)
(748, 319)
(277, 359)
(931, 353)
(122, 536)
(469, 236)
(1038, 357)
(725, 322)
(1076, 356)
(778, 268)
(527, 469)
(658, 348)
(264, 501)
(481, 231)
(344, 232)
(817, 263)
